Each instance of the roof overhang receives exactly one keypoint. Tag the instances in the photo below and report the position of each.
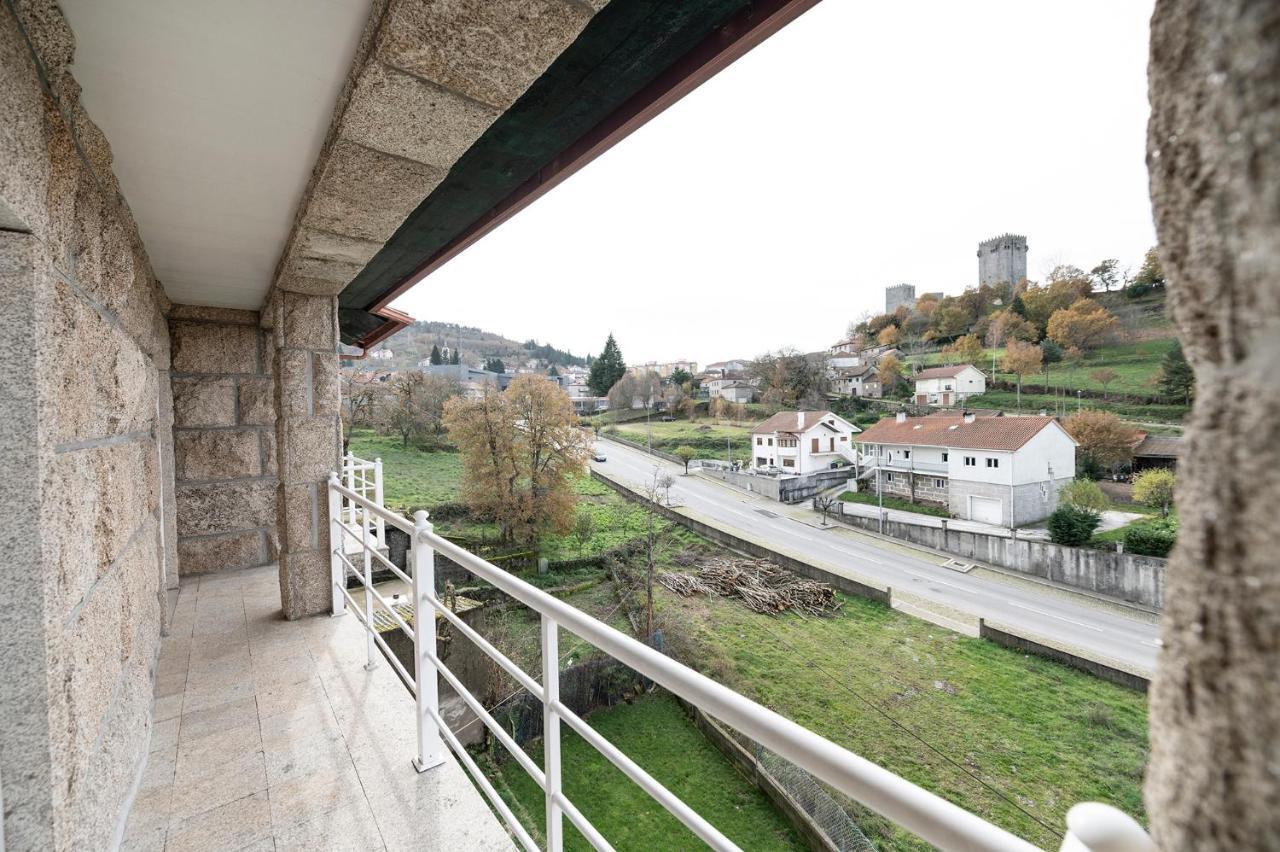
(634, 59)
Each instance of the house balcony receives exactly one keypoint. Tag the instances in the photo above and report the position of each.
(869, 462)
(313, 734)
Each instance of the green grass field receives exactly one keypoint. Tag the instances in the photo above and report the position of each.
(1039, 736)
(654, 732)
(412, 479)
(1032, 403)
(706, 436)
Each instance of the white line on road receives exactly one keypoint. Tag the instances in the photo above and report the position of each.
(1054, 615)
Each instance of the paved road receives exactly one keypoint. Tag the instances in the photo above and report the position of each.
(920, 583)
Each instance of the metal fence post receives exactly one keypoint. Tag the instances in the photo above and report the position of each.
(551, 731)
(337, 572)
(349, 480)
(426, 689)
(377, 498)
(371, 647)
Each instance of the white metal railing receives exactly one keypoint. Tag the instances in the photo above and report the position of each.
(931, 817)
(364, 478)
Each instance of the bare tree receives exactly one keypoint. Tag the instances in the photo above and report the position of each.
(824, 504)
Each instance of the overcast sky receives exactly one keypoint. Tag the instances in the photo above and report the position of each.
(863, 145)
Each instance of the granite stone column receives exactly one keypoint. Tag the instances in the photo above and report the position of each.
(309, 441)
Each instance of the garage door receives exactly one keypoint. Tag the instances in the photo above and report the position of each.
(985, 509)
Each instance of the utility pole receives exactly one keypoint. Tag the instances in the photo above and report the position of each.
(880, 490)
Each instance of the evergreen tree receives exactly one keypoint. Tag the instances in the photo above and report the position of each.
(455, 357)
(553, 372)
(436, 357)
(495, 365)
(1018, 307)
(1177, 381)
(607, 369)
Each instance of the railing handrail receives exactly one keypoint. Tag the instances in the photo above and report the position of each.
(925, 814)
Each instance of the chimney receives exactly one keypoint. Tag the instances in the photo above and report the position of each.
(1044, 412)
(969, 417)
(902, 417)
(799, 419)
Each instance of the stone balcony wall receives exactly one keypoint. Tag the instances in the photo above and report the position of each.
(85, 446)
(224, 434)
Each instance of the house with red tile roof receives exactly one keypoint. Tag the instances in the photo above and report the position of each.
(994, 469)
(949, 385)
(802, 442)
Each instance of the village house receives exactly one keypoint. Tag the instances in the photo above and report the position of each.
(732, 390)
(721, 369)
(994, 469)
(949, 385)
(803, 441)
(862, 380)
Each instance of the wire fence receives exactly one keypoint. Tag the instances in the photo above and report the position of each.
(830, 816)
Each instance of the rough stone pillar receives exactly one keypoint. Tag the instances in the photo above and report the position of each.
(309, 438)
(1214, 776)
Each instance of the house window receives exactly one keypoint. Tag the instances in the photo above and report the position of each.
(788, 462)
(813, 445)
(888, 477)
(944, 455)
(844, 438)
(771, 442)
(906, 454)
(939, 483)
(970, 461)
(993, 462)
(759, 442)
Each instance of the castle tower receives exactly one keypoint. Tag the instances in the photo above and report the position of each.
(1002, 259)
(899, 294)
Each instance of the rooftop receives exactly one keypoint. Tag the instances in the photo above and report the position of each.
(982, 433)
(791, 421)
(944, 372)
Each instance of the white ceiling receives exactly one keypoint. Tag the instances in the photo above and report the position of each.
(215, 112)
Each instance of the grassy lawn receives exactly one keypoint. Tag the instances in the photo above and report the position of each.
(1045, 736)
(870, 499)
(411, 479)
(707, 436)
(654, 732)
(1032, 403)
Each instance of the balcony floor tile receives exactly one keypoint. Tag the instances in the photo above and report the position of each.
(278, 738)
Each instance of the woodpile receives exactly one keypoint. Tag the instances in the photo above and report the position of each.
(761, 585)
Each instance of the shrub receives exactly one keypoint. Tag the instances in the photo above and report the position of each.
(1071, 526)
(1084, 494)
(1155, 539)
(1154, 488)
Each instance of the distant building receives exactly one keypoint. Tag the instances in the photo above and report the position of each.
(732, 390)
(734, 366)
(859, 380)
(381, 355)
(469, 378)
(949, 385)
(899, 294)
(997, 470)
(1002, 259)
(803, 441)
(665, 368)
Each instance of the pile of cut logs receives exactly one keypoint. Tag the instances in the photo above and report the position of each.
(760, 584)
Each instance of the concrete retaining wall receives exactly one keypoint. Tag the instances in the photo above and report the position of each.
(1002, 636)
(792, 489)
(1129, 577)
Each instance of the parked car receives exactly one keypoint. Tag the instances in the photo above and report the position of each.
(598, 455)
(667, 418)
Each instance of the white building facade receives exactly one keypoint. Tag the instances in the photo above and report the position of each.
(949, 385)
(801, 442)
(998, 470)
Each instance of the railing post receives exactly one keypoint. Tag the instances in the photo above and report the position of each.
(371, 647)
(377, 498)
(337, 572)
(551, 731)
(426, 689)
(349, 480)
(1095, 827)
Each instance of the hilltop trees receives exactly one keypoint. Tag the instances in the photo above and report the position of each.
(607, 369)
(520, 450)
(1106, 274)
(964, 350)
(436, 358)
(888, 335)
(1021, 359)
(1085, 325)
(495, 365)
(790, 380)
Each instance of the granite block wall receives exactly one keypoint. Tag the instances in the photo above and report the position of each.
(224, 437)
(89, 510)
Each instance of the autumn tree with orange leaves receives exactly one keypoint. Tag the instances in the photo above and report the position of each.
(520, 450)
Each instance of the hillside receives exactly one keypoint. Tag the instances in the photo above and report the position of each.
(414, 343)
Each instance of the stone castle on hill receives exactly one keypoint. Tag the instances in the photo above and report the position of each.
(1002, 259)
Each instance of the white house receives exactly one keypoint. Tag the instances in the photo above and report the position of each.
(732, 390)
(993, 469)
(862, 380)
(803, 441)
(727, 368)
(949, 385)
